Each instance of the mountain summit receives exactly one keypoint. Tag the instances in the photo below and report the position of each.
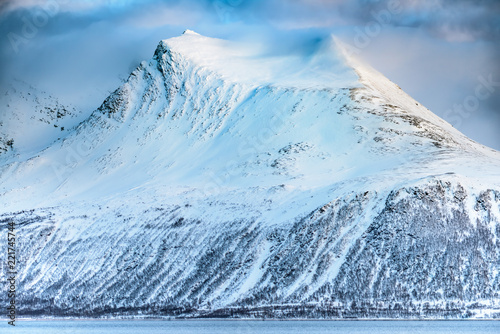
(223, 179)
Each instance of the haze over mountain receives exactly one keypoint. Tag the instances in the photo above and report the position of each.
(220, 180)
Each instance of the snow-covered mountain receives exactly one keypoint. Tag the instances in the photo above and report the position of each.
(32, 119)
(224, 180)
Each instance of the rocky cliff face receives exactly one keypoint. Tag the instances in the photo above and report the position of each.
(217, 182)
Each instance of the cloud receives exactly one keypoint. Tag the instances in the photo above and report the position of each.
(79, 50)
(457, 20)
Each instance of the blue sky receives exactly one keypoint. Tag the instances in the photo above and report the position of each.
(445, 53)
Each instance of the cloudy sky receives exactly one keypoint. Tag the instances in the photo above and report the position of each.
(445, 53)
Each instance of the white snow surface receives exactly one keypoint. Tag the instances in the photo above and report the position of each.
(33, 119)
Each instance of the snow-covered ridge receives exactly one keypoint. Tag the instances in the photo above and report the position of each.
(255, 65)
(227, 178)
(32, 119)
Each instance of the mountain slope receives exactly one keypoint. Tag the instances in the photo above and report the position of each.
(221, 181)
(32, 119)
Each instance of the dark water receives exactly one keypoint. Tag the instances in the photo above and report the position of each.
(260, 327)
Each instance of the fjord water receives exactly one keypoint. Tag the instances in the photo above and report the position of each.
(251, 327)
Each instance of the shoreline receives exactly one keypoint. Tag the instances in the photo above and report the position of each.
(238, 319)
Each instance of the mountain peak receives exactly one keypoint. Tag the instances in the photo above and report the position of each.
(257, 63)
(190, 32)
